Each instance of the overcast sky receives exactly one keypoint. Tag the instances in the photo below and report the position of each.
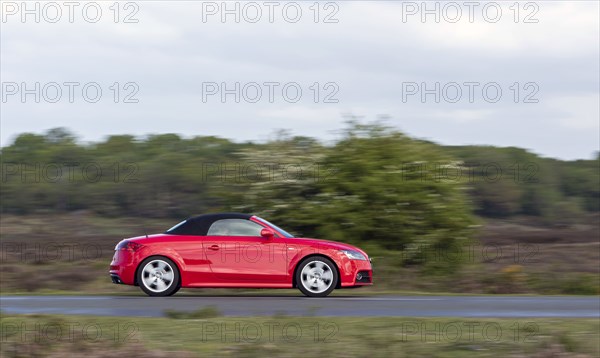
(362, 58)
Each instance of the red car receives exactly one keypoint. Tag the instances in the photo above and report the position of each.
(237, 251)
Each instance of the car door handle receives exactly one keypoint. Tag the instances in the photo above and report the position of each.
(213, 247)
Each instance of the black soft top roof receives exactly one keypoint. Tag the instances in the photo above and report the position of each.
(199, 225)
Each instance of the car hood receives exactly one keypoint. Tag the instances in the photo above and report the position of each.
(336, 245)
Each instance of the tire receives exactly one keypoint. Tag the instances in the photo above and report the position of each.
(316, 276)
(158, 276)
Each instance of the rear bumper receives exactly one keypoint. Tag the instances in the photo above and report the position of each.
(122, 268)
(115, 278)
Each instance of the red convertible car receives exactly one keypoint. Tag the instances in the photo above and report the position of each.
(237, 251)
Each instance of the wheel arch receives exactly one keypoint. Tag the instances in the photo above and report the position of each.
(139, 266)
(337, 269)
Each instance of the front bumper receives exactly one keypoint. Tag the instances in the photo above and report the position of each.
(356, 273)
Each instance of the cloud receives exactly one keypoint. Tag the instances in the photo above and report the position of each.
(368, 54)
(579, 112)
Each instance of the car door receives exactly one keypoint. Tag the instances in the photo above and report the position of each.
(192, 252)
(238, 254)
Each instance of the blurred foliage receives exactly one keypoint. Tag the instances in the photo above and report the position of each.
(374, 185)
(512, 181)
(364, 188)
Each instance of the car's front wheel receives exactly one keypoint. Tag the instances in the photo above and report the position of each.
(158, 276)
(316, 276)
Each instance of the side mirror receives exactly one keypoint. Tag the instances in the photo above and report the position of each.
(266, 233)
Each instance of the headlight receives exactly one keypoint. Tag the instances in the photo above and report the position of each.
(354, 255)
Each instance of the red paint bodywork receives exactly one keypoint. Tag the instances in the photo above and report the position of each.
(237, 261)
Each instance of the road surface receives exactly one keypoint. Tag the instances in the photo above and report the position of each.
(377, 306)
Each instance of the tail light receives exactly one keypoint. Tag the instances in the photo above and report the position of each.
(128, 246)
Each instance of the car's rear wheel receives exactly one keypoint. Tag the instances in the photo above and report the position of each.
(158, 276)
(316, 276)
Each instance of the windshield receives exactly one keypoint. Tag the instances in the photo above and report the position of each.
(176, 226)
(283, 232)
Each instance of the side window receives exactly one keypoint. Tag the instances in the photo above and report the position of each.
(234, 227)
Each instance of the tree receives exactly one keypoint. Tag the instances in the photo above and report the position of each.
(374, 185)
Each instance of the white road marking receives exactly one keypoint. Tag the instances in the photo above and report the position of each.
(385, 299)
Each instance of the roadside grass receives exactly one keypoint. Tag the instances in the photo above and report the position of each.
(287, 336)
(201, 313)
